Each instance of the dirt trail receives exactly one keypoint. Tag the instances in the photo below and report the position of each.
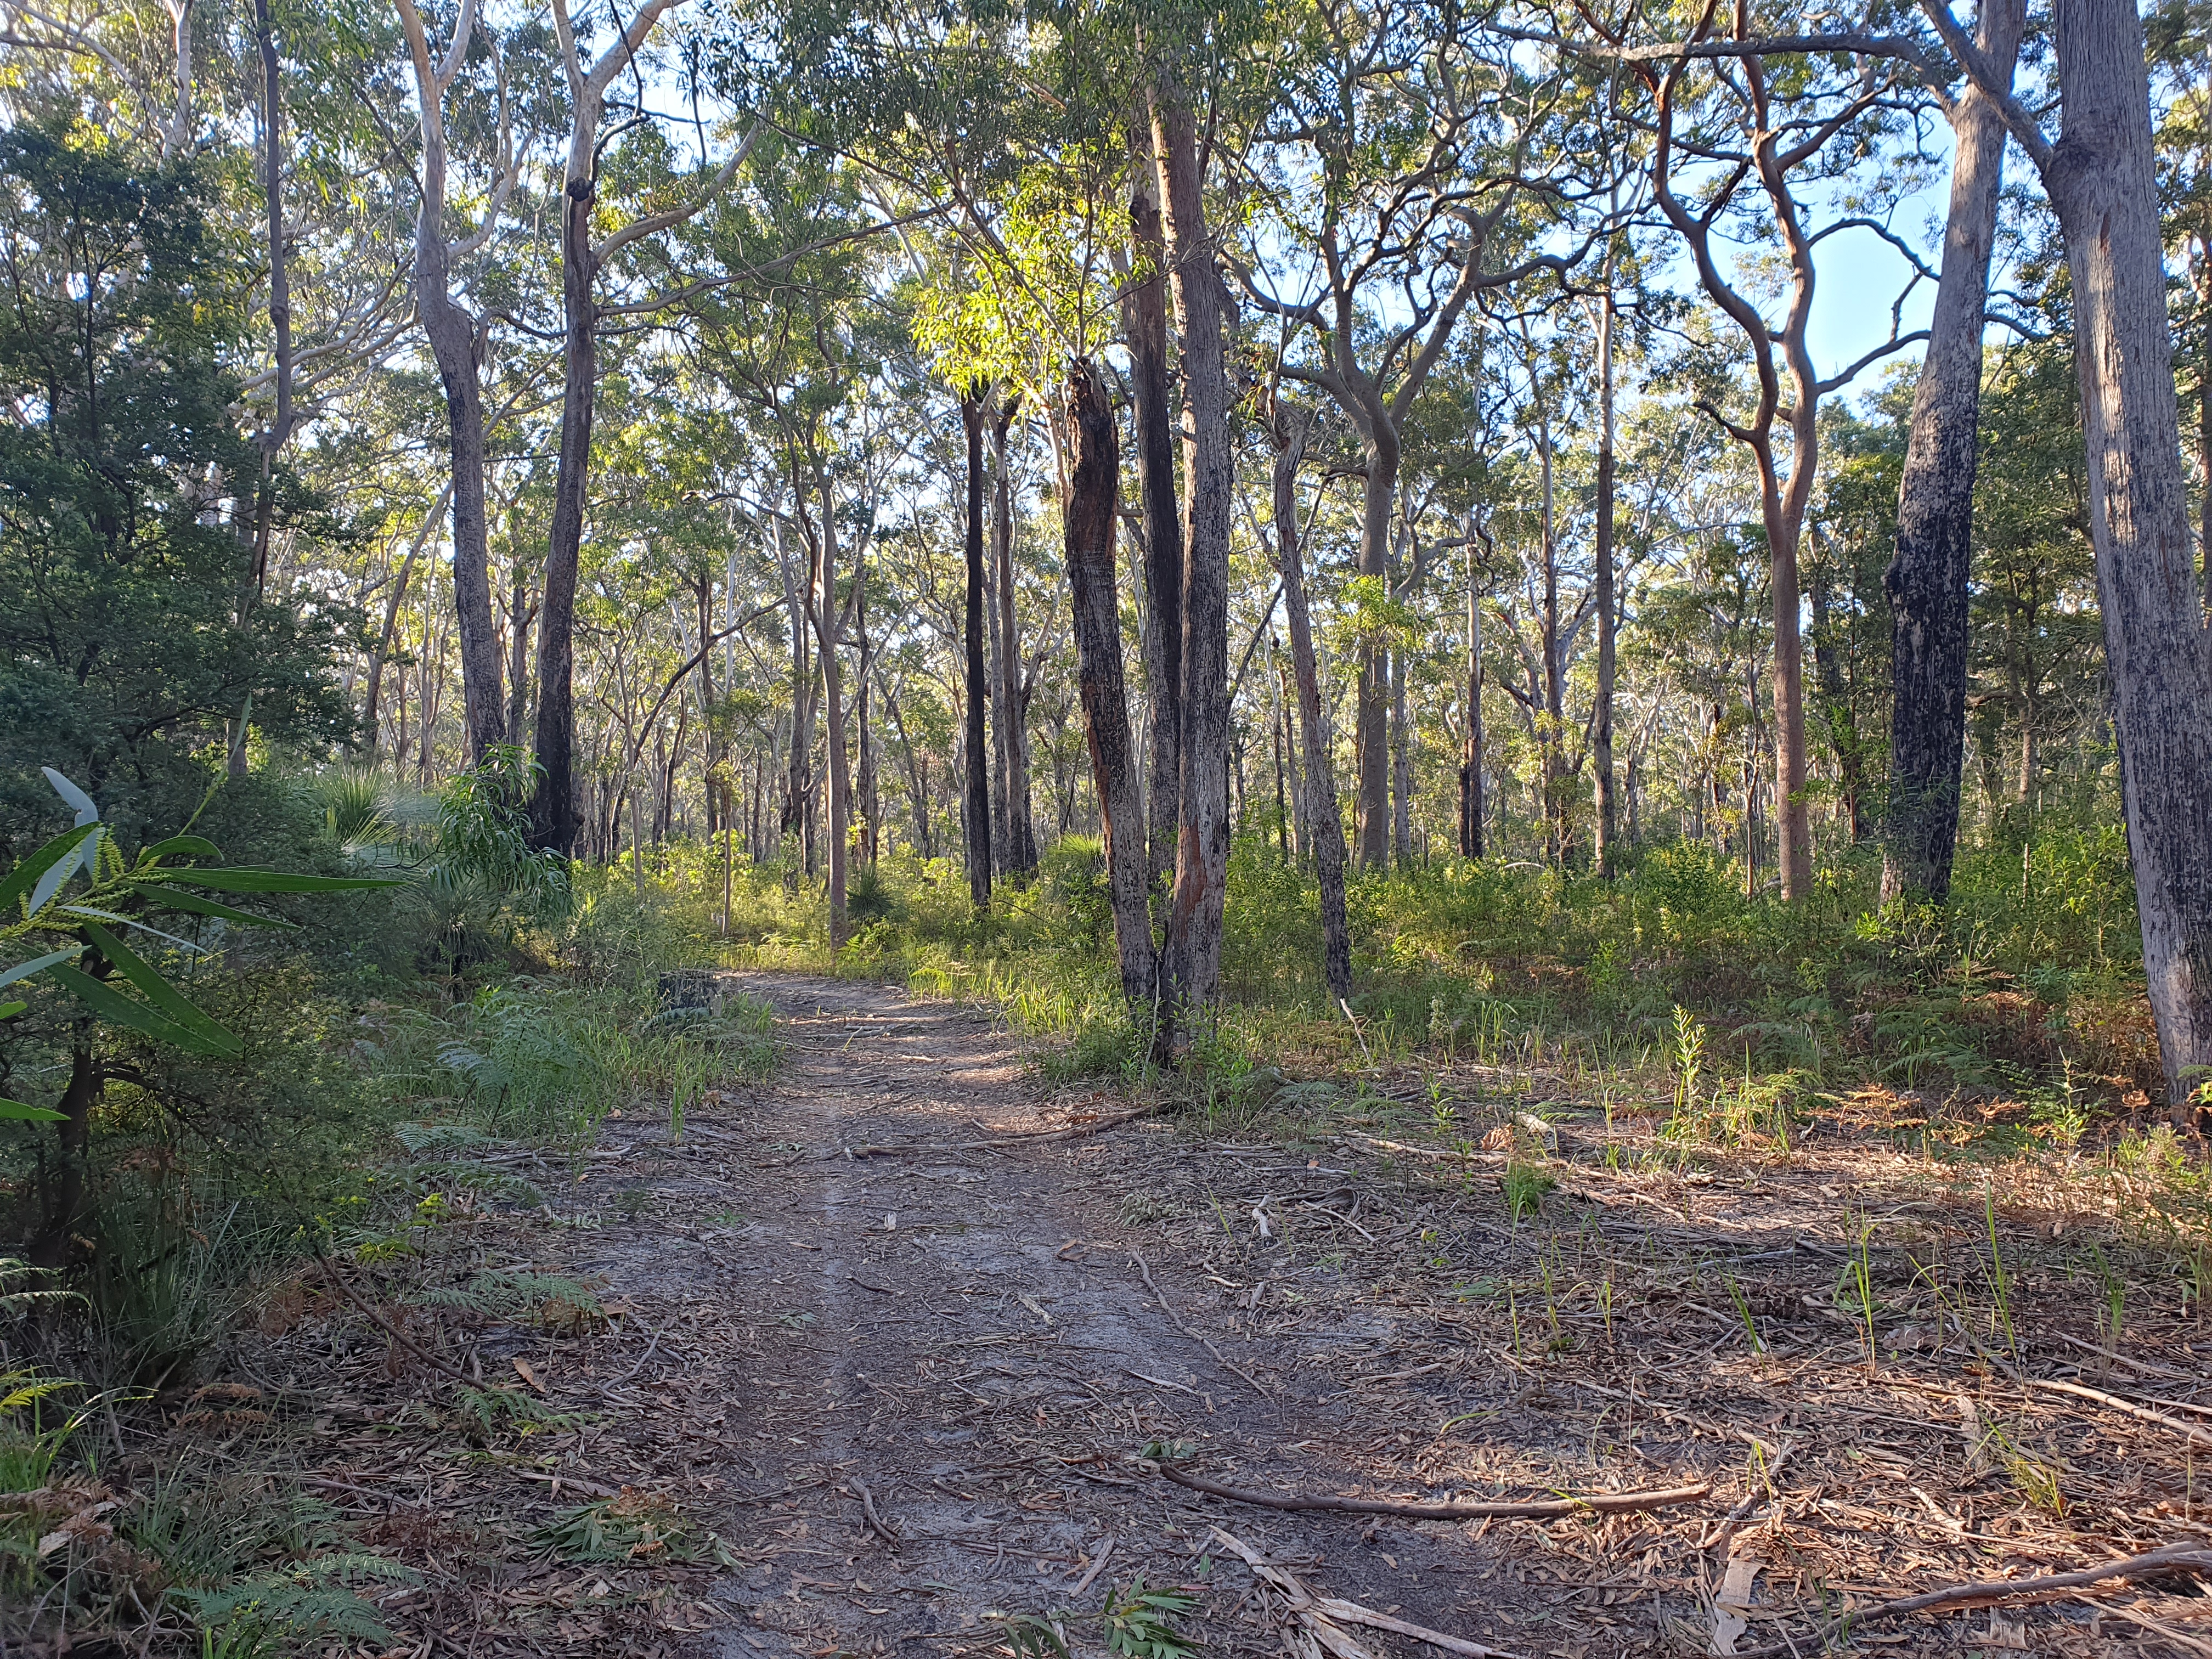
(964, 1331)
(884, 1280)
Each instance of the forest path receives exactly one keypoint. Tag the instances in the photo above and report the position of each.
(879, 1275)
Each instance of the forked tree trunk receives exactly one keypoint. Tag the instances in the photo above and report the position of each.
(1927, 577)
(978, 814)
(2102, 177)
(1194, 948)
(1325, 825)
(1145, 322)
(1093, 503)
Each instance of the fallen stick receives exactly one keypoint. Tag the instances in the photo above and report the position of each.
(868, 1509)
(1175, 1319)
(1598, 1503)
(2195, 1435)
(2195, 1558)
(1737, 1516)
(1322, 1614)
(1030, 1137)
(385, 1325)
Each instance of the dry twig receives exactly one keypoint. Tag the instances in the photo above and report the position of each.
(1323, 1616)
(1600, 1503)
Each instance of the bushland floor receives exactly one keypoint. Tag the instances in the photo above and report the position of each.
(911, 1336)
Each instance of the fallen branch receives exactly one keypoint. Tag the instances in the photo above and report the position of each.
(640, 1366)
(1175, 1320)
(868, 1509)
(385, 1325)
(1322, 1616)
(2196, 1558)
(2195, 1435)
(1595, 1503)
(1028, 1139)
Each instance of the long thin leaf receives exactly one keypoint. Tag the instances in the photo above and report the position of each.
(272, 881)
(16, 1112)
(198, 847)
(111, 1005)
(35, 965)
(159, 992)
(58, 877)
(19, 880)
(79, 802)
(171, 899)
(131, 921)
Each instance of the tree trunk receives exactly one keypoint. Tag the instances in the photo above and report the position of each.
(1471, 763)
(978, 741)
(2102, 179)
(1370, 736)
(1145, 322)
(1013, 758)
(1927, 578)
(553, 816)
(1194, 967)
(833, 685)
(1325, 825)
(1601, 596)
(1835, 696)
(1093, 504)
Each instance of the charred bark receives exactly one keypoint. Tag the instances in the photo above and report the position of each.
(1093, 501)
(1927, 578)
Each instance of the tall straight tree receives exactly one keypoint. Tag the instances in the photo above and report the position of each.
(977, 815)
(2101, 174)
(1192, 973)
(1291, 428)
(1144, 328)
(553, 807)
(452, 330)
(1927, 578)
(1093, 509)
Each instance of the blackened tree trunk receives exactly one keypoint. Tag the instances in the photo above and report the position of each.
(1020, 852)
(1601, 596)
(1325, 823)
(1093, 503)
(1145, 323)
(978, 814)
(1194, 946)
(1927, 578)
(553, 818)
(827, 634)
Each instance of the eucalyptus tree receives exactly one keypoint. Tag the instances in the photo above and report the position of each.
(2101, 175)
(1438, 163)
(661, 200)
(452, 330)
(1928, 579)
(1749, 132)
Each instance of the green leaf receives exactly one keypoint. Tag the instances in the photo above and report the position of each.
(159, 992)
(9, 1010)
(169, 898)
(19, 880)
(198, 847)
(16, 1111)
(272, 881)
(35, 965)
(111, 1005)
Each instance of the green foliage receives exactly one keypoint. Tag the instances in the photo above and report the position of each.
(269, 1611)
(124, 644)
(635, 1527)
